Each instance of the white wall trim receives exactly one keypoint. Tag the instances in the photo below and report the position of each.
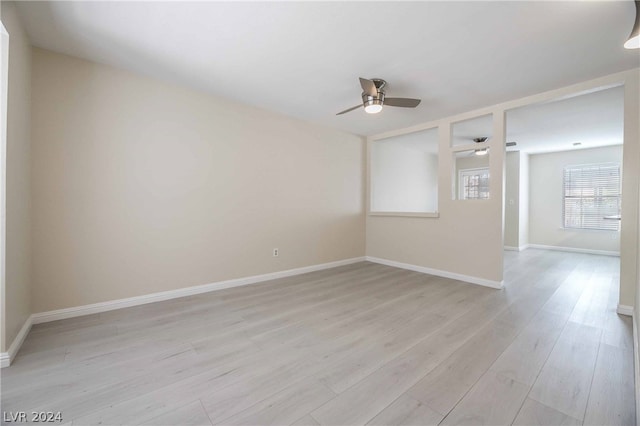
(437, 272)
(575, 250)
(625, 310)
(181, 292)
(4, 87)
(521, 248)
(6, 358)
(636, 361)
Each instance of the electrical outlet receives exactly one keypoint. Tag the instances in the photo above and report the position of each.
(276, 253)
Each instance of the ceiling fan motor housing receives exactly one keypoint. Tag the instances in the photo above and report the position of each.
(373, 100)
(380, 83)
(379, 98)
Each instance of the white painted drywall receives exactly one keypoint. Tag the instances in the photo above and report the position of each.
(467, 236)
(17, 300)
(523, 197)
(629, 235)
(403, 179)
(545, 208)
(140, 186)
(512, 200)
(636, 329)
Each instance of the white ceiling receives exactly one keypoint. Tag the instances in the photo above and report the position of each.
(425, 141)
(595, 119)
(303, 59)
(464, 132)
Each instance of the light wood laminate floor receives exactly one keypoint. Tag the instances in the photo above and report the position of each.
(359, 344)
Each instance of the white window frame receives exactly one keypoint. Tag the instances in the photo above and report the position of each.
(601, 224)
(471, 172)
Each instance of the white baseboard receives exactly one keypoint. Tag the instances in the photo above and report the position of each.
(575, 250)
(181, 292)
(512, 248)
(438, 272)
(636, 362)
(625, 310)
(6, 358)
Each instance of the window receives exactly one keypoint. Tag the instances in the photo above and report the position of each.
(474, 184)
(591, 192)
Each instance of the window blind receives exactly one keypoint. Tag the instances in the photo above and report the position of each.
(591, 192)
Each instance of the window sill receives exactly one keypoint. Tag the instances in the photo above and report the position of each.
(562, 228)
(406, 214)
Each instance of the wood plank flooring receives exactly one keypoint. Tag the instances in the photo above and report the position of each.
(359, 344)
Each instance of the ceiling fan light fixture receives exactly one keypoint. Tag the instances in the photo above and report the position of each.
(482, 151)
(373, 108)
(633, 42)
(373, 104)
(373, 98)
(634, 38)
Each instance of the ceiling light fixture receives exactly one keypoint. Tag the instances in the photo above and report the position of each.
(373, 108)
(373, 104)
(634, 37)
(481, 151)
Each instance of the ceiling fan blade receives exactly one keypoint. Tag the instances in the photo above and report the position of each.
(368, 87)
(402, 102)
(511, 144)
(350, 109)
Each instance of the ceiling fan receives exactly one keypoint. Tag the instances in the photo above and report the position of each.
(373, 97)
(485, 151)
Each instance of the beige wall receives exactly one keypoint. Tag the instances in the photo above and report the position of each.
(141, 186)
(545, 210)
(17, 300)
